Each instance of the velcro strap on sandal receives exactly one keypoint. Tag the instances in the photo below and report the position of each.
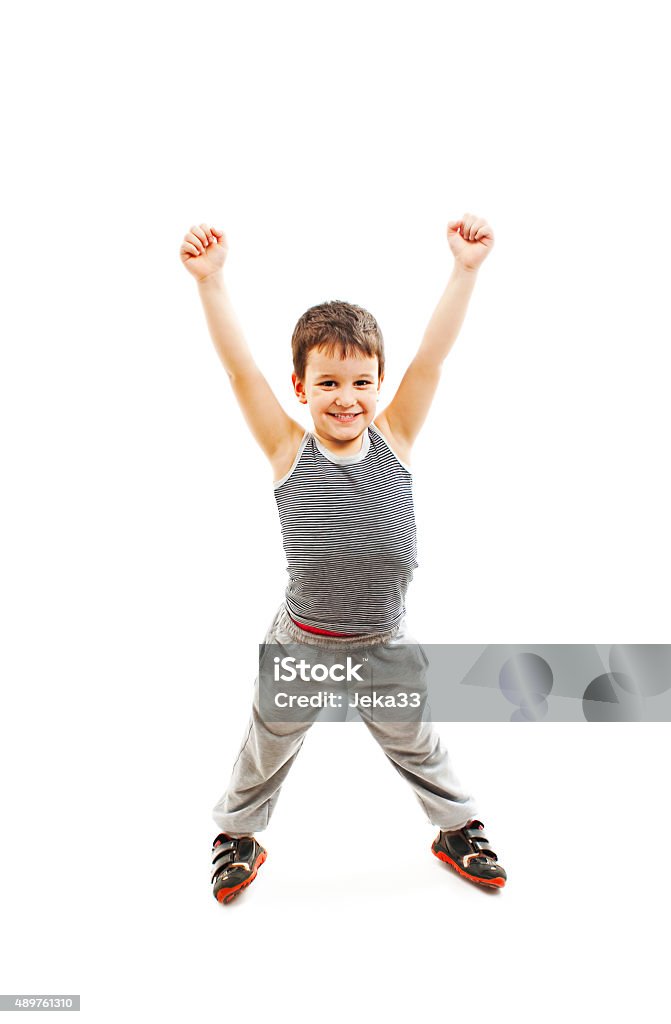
(229, 844)
(222, 857)
(479, 842)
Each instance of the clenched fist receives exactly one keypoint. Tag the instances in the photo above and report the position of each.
(471, 239)
(203, 251)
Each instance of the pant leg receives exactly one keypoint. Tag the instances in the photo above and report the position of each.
(416, 752)
(414, 748)
(264, 761)
(268, 751)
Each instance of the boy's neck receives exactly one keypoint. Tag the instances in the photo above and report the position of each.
(349, 447)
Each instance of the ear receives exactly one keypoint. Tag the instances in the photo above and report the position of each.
(379, 383)
(299, 389)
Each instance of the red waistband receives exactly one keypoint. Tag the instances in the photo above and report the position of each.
(322, 632)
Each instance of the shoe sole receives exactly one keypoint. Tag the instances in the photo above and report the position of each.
(226, 895)
(495, 883)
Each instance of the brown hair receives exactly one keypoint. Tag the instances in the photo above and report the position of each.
(336, 326)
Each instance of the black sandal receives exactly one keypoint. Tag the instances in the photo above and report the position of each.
(468, 852)
(235, 863)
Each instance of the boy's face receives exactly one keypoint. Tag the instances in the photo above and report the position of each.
(341, 395)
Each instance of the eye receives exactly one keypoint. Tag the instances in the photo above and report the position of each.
(325, 383)
(364, 382)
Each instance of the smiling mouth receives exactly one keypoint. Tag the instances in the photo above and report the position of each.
(344, 417)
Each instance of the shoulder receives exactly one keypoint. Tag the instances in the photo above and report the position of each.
(401, 451)
(285, 456)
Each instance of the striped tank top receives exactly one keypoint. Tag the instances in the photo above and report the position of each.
(348, 528)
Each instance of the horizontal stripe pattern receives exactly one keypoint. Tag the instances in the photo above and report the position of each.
(348, 530)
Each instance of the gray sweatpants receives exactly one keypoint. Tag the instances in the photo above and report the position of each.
(269, 748)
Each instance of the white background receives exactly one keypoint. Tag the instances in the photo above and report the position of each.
(141, 551)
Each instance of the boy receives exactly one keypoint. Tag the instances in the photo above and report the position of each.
(344, 495)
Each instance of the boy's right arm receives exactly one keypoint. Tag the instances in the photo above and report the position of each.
(204, 252)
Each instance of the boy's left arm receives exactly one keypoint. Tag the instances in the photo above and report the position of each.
(471, 239)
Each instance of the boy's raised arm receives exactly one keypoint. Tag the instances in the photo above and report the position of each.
(204, 252)
(470, 239)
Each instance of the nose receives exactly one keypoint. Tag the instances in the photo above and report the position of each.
(345, 399)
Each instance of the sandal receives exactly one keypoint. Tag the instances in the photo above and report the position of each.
(235, 863)
(467, 850)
